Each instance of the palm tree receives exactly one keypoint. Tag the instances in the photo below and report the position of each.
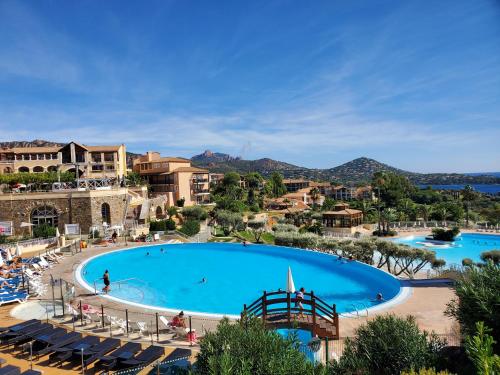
(315, 195)
(389, 215)
(378, 181)
(425, 211)
(468, 195)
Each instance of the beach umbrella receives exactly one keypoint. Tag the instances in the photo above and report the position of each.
(290, 286)
(1, 260)
(9, 255)
(18, 250)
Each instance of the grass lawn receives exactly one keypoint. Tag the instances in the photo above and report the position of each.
(248, 235)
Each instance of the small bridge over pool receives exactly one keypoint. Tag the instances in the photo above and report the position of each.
(281, 310)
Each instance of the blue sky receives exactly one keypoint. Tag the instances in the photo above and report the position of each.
(415, 84)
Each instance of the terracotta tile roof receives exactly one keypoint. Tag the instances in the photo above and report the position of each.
(294, 181)
(104, 148)
(347, 211)
(190, 169)
(32, 150)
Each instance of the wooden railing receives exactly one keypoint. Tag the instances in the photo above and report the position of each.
(286, 310)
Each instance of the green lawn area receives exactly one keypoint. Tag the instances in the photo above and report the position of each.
(267, 238)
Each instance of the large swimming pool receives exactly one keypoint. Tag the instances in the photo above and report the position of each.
(467, 245)
(234, 274)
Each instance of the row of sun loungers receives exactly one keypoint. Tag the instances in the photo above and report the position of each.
(36, 339)
(27, 278)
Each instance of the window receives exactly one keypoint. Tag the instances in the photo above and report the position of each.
(24, 170)
(45, 215)
(52, 168)
(38, 169)
(7, 170)
(96, 157)
(159, 213)
(108, 156)
(110, 167)
(106, 213)
(97, 168)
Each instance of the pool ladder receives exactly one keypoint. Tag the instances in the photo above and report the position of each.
(358, 310)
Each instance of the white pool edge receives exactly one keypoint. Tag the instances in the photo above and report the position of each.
(404, 291)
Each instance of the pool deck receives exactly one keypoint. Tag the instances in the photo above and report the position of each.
(426, 302)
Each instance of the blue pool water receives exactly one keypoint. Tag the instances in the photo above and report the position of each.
(235, 275)
(467, 245)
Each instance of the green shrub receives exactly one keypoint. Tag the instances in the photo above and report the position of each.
(480, 350)
(492, 255)
(172, 211)
(194, 213)
(425, 371)
(190, 227)
(44, 231)
(170, 224)
(478, 299)
(3, 239)
(441, 234)
(388, 345)
(247, 347)
(285, 228)
(157, 226)
(467, 262)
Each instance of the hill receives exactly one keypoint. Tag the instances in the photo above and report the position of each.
(356, 171)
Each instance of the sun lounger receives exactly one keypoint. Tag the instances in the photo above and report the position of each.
(6, 336)
(144, 358)
(95, 352)
(41, 329)
(10, 370)
(19, 297)
(179, 357)
(65, 352)
(124, 352)
(45, 347)
(18, 326)
(43, 337)
(32, 372)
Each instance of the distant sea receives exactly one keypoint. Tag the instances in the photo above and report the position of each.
(482, 188)
(496, 174)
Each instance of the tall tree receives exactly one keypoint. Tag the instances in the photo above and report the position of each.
(468, 195)
(276, 186)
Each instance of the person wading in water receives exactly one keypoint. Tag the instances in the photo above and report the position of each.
(107, 283)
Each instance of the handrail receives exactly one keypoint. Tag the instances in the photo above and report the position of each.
(282, 304)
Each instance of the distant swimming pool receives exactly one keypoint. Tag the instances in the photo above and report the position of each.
(467, 245)
(235, 275)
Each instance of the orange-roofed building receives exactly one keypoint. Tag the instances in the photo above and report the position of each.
(342, 219)
(174, 178)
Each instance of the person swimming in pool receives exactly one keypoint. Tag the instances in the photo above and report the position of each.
(147, 254)
(161, 250)
(379, 297)
(203, 280)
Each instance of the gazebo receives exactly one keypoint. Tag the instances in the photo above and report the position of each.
(342, 219)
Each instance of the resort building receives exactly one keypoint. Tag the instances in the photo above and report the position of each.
(292, 185)
(90, 161)
(305, 196)
(342, 220)
(174, 178)
(346, 193)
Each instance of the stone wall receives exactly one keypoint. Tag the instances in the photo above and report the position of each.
(83, 207)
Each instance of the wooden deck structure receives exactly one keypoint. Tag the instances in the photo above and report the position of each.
(280, 310)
